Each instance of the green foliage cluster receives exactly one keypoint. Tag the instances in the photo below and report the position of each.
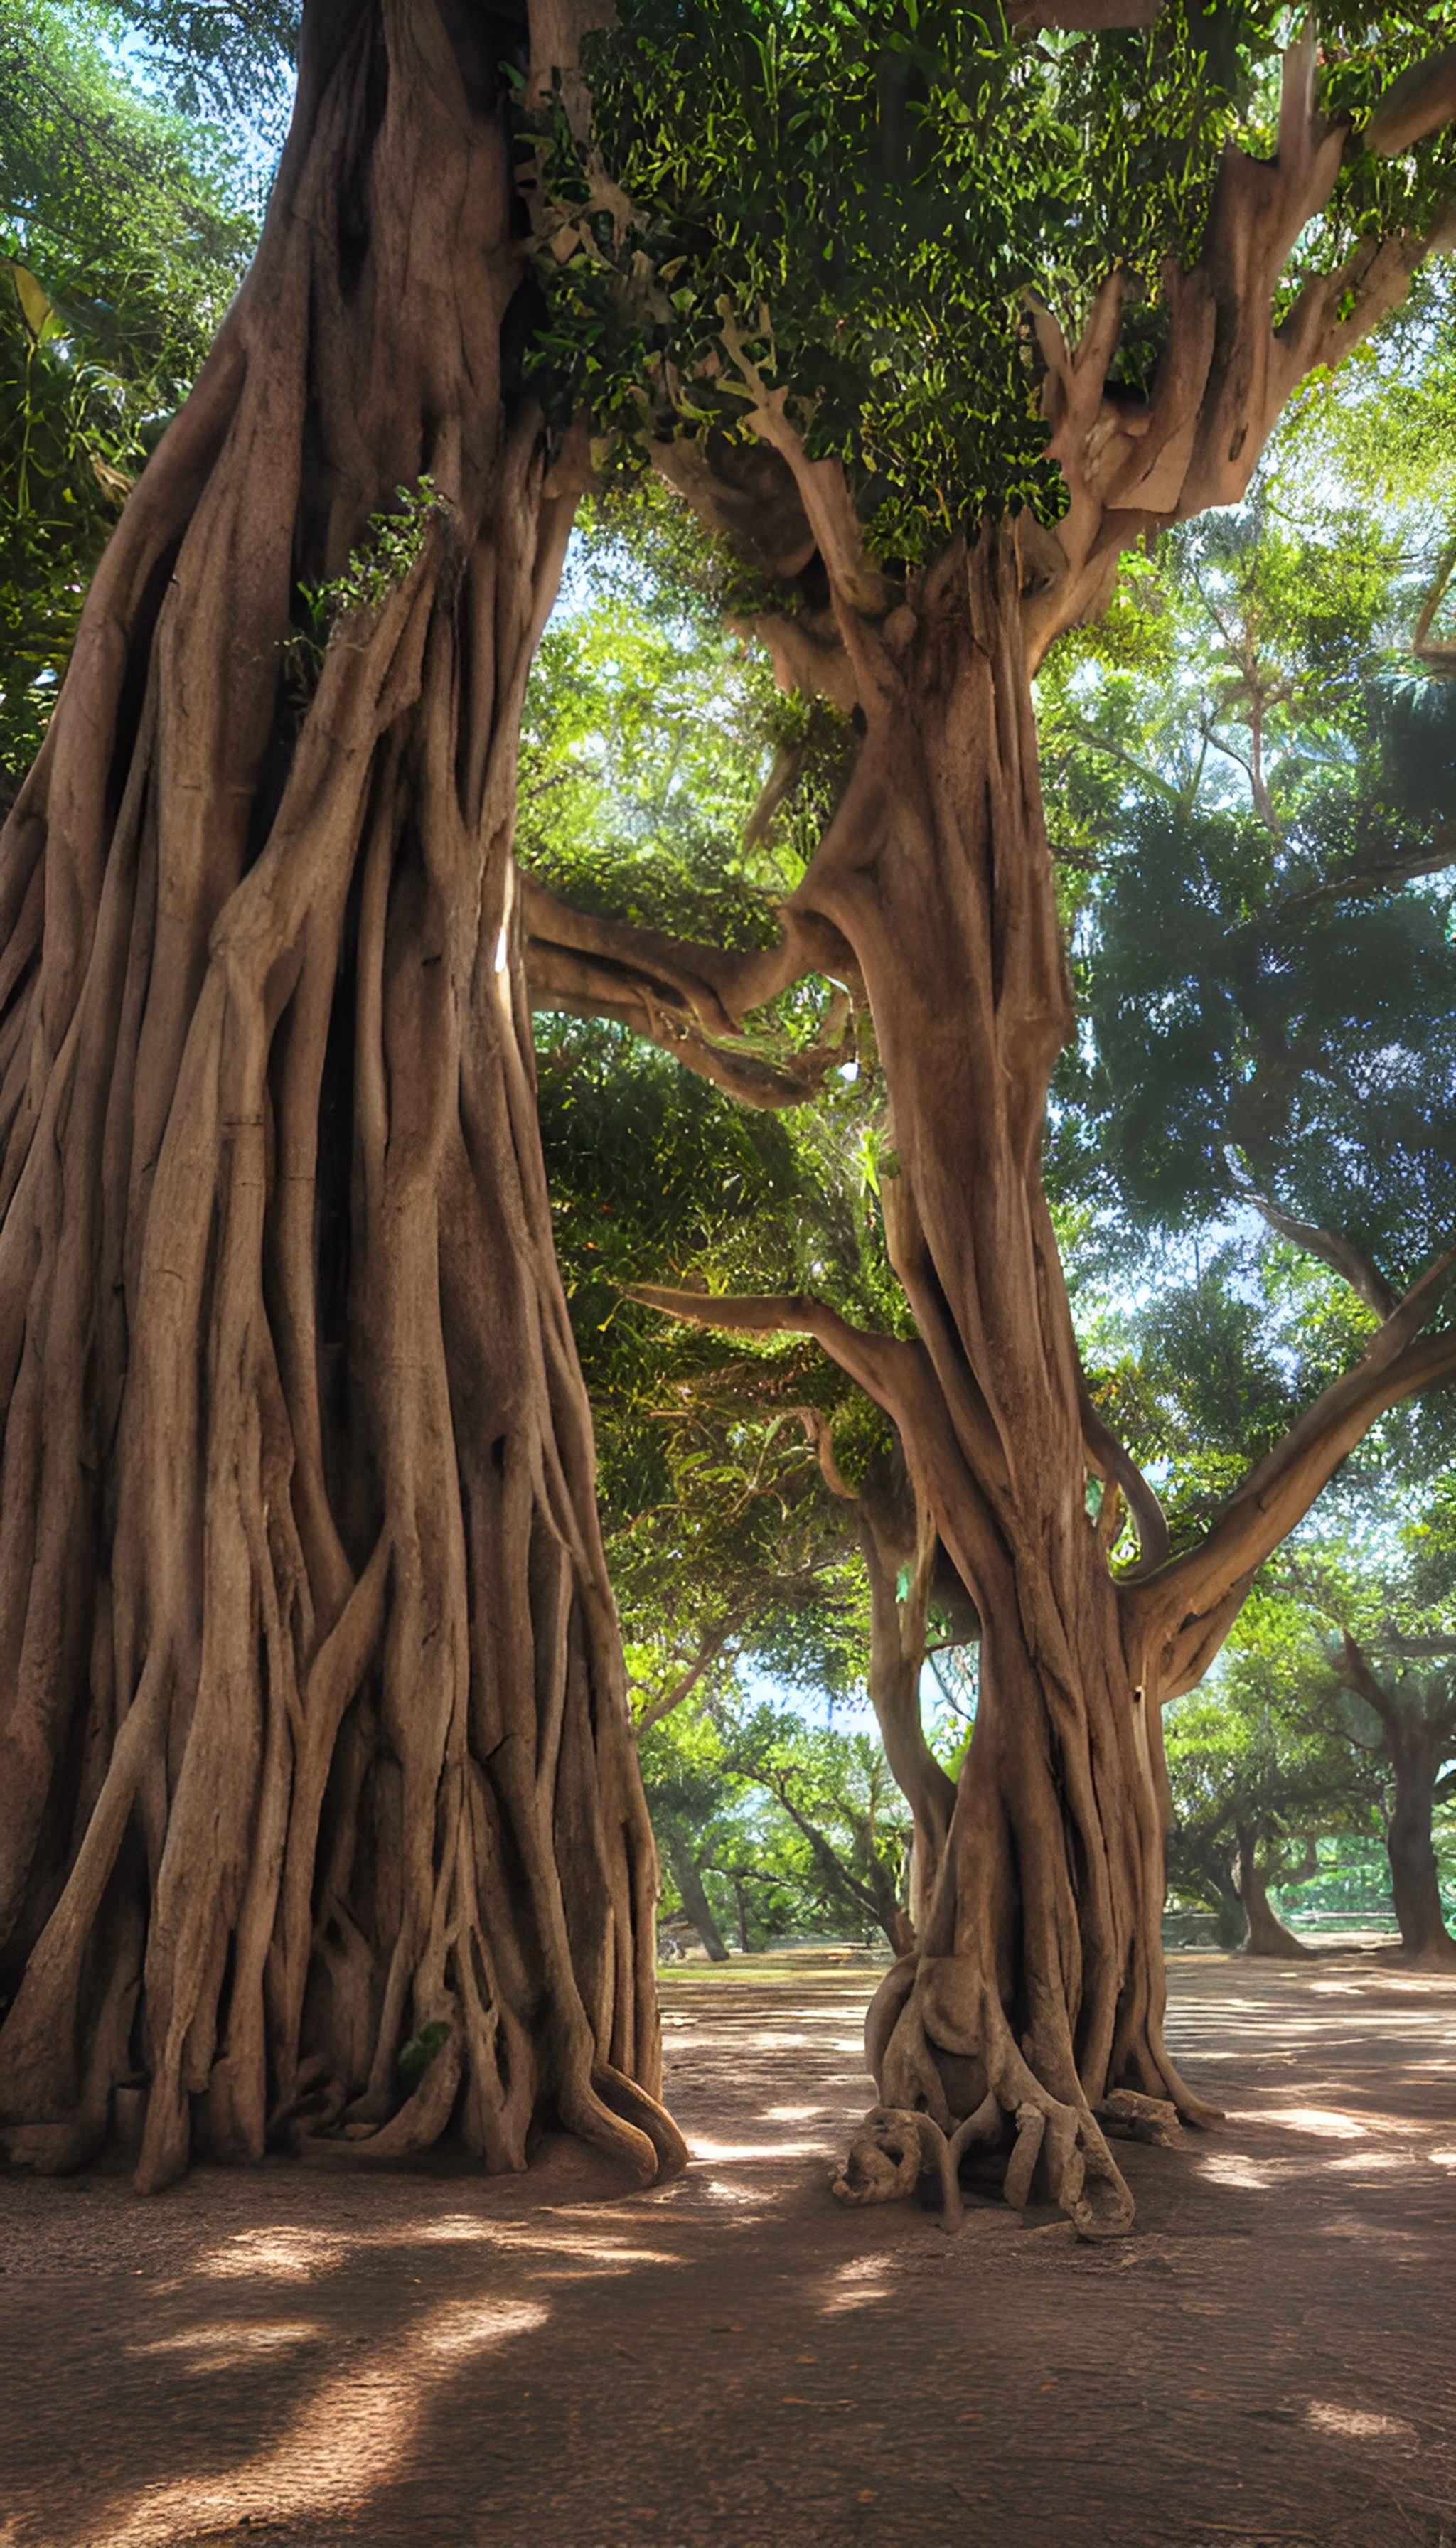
(231, 60)
(1258, 803)
(392, 544)
(121, 242)
(795, 1829)
(856, 199)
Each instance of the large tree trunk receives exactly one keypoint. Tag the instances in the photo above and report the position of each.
(315, 1732)
(1039, 1985)
(1418, 1729)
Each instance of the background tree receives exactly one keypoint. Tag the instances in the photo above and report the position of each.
(1356, 1645)
(122, 240)
(814, 232)
(1254, 1790)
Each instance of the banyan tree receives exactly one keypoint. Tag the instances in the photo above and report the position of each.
(319, 1818)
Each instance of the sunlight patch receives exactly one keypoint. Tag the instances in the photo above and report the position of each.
(276, 2252)
(469, 2325)
(723, 2151)
(1359, 2422)
(224, 2343)
(1252, 2173)
(1320, 2120)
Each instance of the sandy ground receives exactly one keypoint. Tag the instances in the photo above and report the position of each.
(432, 2359)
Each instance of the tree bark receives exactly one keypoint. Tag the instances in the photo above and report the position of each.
(1039, 1981)
(1417, 1755)
(315, 1725)
(896, 1661)
(1267, 1933)
(689, 1880)
(1419, 1730)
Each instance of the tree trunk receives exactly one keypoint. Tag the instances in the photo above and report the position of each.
(1416, 1751)
(315, 1725)
(896, 1661)
(1041, 1980)
(1267, 1933)
(688, 1877)
(1418, 1729)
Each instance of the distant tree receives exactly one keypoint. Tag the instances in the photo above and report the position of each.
(1359, 1646)
(122, 240)
(1253, 1788)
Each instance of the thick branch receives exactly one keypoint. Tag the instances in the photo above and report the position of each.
(872, 1359)
(713, 1644)
(1134, 464)
(899, 1376)
(1354, 1671)
(1178, 1608)
(1117, 1468)
(686, 997)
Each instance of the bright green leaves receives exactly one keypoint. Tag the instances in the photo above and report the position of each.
(869, 194)
(119, 249)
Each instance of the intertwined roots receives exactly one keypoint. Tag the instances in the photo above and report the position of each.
(1054, 2148)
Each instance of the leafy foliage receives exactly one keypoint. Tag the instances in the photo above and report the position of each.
(120, 244)
(1264, 941)
(856, 199)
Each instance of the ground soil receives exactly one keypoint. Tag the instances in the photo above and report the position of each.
(316, 2358)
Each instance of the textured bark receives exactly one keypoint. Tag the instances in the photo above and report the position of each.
(896, 1661)
(1417, 1737)
(315, 1725)
(689, 1880)
(1267, 1933)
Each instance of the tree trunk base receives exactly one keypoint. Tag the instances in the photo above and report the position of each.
(956, 2087)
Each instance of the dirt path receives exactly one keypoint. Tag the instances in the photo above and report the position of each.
(430, 2359)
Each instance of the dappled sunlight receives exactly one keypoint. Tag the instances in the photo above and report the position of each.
(349, 2438)
(853, 2286)
(1358, 2424)
(740, 2151)
(1229, 2168)
(303, 2255)
(214, 2349)
(1374, 2159)
(1318, 2119)
(792, 2114)
(298, 2254)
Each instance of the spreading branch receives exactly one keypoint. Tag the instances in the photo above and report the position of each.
(716, 1642)
(1181, 1607)
(689, 999)
(1137, 465)
(1339, 1253)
